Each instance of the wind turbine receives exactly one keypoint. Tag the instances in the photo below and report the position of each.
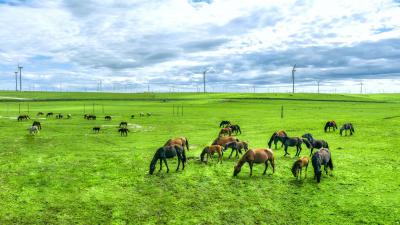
(293, 70)
(20, 77)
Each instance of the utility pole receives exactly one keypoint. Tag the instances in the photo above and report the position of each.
(20, 77)
(16, 81)
(293, 70)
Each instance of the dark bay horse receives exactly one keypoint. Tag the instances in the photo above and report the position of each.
(260, 155)
(211, 150)
(123, 124)
(346, 127)
(235, 129)
(224, 123)
(23, 117)
(311, 143)
(298, 167)
(181, 141)
(40, 114)
(123, 131)
(96, 129)
(37, 123)
(236, 146)
(329, 125)
(49, 114)
(107, 117)
(276, 136)
(321, 157)
(165, 153)
(292, 142)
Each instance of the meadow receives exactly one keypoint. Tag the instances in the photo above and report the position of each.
(68, 175)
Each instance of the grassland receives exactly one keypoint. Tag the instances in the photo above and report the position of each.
(68, 175)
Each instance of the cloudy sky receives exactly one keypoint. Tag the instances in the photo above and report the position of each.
(131, 45)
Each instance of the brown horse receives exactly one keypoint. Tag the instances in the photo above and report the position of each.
(276, 137)
(298, 167)
(181, 141)
(225, 131)
(259, 155)
(224, 140)
(210, 151)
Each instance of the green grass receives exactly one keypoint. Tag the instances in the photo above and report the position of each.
(68, 175)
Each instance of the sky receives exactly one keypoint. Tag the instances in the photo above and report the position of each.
(166, 45)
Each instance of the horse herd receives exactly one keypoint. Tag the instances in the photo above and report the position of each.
(224, 141)
(36, 126)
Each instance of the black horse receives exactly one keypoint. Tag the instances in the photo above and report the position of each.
(90, 117)
(292, 142)
(346, 127)
(277, 136)
(23, 117)
(235, 128)
(96, 129)
(39, 114)
(123, 124)
(132, 116)
(236, 146)
(311, 143)
(107, 117)
(166, 152)
(49, 114)
(59, 116)
(124, 131)
(329, 125)
(321, 157)
(37, 123)
(224, 123)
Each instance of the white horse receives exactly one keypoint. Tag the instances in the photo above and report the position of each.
(33, 130)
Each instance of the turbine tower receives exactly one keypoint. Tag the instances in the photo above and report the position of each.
(293, 70)
(20, 77)
(16, 81)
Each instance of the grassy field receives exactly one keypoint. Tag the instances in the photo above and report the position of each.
(67, 175)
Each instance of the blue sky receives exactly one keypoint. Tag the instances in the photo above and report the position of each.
(128, 44)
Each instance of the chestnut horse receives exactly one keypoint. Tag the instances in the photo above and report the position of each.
(276, 136)
(181, 141)
(298, 167)
(210, 150)
(225, 131)
(224, 140)
(259, 155)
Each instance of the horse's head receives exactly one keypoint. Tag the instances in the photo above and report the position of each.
(236, 170)
(294, 169)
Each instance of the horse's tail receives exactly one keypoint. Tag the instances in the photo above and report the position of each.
(330, 164)
(238, 127)
(326, 126)
(203, 153)
(271, 139)
(187, 143)
(183, 156)
(326, 145)
(352, 128)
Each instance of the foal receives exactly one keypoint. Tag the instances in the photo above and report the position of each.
(210, 151)
(298, 167)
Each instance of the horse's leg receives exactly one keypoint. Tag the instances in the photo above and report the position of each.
(237, 153)
(286, 153)
(311, 150)
(266, 166)
(230, 154)
(305, 175)
(300, 172)
(166, 164)
(251, 168)
(160, 164)
(179, 160)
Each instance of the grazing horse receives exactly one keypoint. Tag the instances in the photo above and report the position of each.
(124, 131)
(69, 116)
(89, 117)
(181, 141)
(39, 114)
(329, 125)
(37, 123)
(292, 141)
(346, 127)
(23, 117)
(141, 114)
(321, 157)
(107, 117)
(148, 114)
(132, 116)
(224, 140)
(123, 124)
(49, 114)
(276, 136)
(210, 150)
(224, 123)
(225, 131)
(235, 129)
(168, 152)
(311, 143)
(96, 129)
(260, 155)
(59, 116)
(236, 146)
(33, 130)
(298, 167)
